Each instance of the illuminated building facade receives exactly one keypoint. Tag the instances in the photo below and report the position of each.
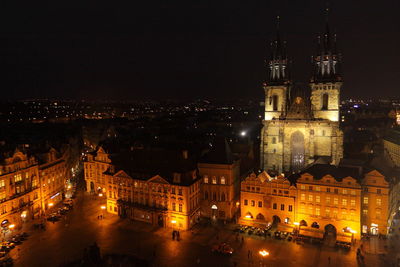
(321, 201)
(30, 183)
(53, 176)
(154, 186)
(391, 144)
(95, 165)
(19, 189)
(301, 126)
(220, 182)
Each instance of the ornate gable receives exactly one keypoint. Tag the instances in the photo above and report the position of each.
(121, 174)
(157, 180)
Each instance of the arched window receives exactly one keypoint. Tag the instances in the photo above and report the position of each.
(260, 217)
(325, 99)
(275, 102)
(222, 180)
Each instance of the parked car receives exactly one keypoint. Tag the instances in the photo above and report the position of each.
(222, 248)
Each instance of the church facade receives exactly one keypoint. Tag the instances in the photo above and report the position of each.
(301, 125)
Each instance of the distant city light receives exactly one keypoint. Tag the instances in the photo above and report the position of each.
(243, 133)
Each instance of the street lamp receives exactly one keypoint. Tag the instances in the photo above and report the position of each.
(101, 194)
(264, 254)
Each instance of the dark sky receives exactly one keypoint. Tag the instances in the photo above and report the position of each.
(187, 49)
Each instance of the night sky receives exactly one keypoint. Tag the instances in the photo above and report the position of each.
(188, 49)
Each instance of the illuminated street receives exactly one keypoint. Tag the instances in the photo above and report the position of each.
(65, 240)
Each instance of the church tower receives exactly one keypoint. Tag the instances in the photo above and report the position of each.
(277, 85)
(326, 80)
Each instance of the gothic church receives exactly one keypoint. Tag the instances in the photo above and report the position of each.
(301, 126)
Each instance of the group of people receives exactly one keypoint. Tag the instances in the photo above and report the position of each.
(176, 234)
(100, 217)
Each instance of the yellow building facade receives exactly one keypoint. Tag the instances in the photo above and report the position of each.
(164, 193)
(28, 184)
(265, 200)
(95, 165)
(323, 200)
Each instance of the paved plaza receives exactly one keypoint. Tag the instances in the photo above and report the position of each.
(66, 239)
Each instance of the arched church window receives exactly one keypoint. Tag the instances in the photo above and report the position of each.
(325, 99)
(275, 102)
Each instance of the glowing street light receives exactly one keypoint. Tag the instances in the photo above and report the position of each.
(11, 226)
(173, 221)
(296, 223)
(101, 194)
(243, 133)
(263, 253)
(51, 204)
(103, 207)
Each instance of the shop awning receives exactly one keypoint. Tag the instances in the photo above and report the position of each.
(343, 238)
(311, 233)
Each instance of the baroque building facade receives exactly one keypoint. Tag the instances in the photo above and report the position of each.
(321, 201)
(31, 182)
(300, 126)
(154, 186)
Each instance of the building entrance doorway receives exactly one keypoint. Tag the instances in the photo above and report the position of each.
(214, 211)
(330, 235)
(297, 149)
(160, 220)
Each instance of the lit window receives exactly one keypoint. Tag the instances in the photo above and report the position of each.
(317, 199)
(365, 212)
(222, 180)
(310, 197)
(352, 202)
(205, 179)
(317, 211)
(317, 188)
(344, 191)
(214, 180)
(335, 201)
(303, 197)
(353, 192)
(344, 202)
(378, 202)
(303, 187)
(327, 212)
(378, 214)
(253, 203)
(3, 184)
(365, 201)
(328, 200)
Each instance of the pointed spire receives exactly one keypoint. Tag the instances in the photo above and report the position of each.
(327, 61)
(278, 72)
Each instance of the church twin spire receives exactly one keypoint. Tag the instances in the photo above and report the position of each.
(326, 62)
(278, 62)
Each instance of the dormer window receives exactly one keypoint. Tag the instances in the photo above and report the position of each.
(205, 179)
(222, 180)
(214, 180)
